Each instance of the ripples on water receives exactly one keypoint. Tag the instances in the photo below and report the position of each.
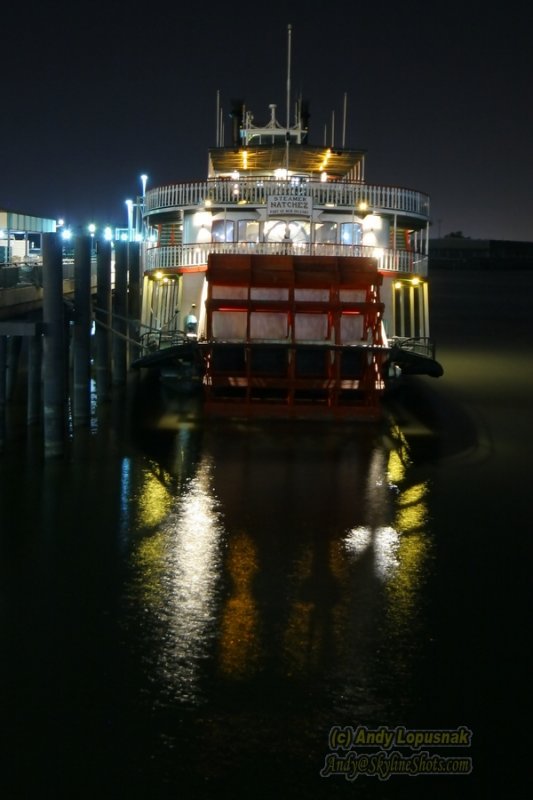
(193, 607)
(204, 602)
(275, 581)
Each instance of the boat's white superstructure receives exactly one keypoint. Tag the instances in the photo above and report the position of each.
(272, 203)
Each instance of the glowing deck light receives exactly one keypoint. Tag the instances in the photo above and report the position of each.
(202, 219)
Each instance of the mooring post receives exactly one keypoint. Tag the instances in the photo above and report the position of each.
(103, 319)
(134, 299)
(3, 366)
(35, 358)
(82, 332)
(14, 347)
(54, 347)
(120, 311)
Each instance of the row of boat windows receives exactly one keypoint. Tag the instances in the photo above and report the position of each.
(282, 230)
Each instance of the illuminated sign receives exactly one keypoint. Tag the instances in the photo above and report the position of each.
(284, 205)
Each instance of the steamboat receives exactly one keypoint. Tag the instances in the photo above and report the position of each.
(284, 284)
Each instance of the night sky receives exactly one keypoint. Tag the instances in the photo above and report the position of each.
(439, 95)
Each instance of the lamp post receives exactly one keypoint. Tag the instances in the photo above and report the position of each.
(92, 230)
(144, 179)
(129, 204)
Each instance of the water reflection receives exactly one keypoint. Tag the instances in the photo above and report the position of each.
(177, 568)
(278, 552)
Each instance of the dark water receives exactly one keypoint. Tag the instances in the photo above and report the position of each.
(189, 608)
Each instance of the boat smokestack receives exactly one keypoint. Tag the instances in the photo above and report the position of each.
(236, 115)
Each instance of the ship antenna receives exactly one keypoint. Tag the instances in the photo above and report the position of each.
(344, 121)
(218, 119)
(288, 135)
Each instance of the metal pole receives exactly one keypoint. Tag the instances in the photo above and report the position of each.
(288, 135)
(54, 347)
(82, 332)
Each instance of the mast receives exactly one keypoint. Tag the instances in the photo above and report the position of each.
(288, 135)
(344, 121)
(218, 119)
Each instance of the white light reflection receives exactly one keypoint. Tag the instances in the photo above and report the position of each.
(185, 565)
(383, 543)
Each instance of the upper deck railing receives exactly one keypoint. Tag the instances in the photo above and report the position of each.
(194, 255)
(346, 195)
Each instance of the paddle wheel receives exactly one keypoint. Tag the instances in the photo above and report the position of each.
(290, 335)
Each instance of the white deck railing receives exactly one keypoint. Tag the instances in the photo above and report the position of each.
(194, 255)
(344, 195)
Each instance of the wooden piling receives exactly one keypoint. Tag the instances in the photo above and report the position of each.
(103, 320)
(14, 347)
(134, 299)
(81, 381)
(120, 312)
(35, 359)
(54, 348)
(3, 366)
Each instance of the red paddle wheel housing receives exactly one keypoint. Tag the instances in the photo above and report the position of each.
(293, 336)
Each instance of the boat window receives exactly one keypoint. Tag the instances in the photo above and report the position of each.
(248, 230)
(222, 230)
(351, 233)
(326, 232)
(283, 230)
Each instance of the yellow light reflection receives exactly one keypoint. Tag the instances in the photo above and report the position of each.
(153, 503)
(238, 641)
(403, 586)
(301, 636)
(412, 513)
